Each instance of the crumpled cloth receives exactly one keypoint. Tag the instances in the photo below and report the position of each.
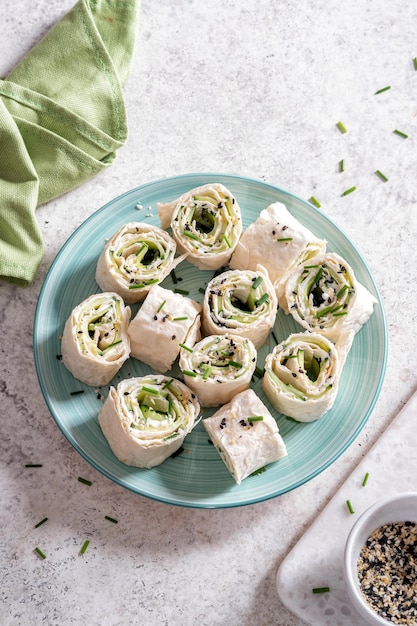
(62, 120)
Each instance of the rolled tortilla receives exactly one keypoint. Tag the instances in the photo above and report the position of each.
(240, 302)
(165, 321)
(218, 367)
(302, 374)
(138, 256)
(275, 240)
(324, 296)
(206, 224)
(245, 434)
(95, 343)
(146, 419)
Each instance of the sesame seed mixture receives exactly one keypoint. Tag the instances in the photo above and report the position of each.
(387, 571)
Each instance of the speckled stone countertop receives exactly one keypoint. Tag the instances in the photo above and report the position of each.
(252, 88)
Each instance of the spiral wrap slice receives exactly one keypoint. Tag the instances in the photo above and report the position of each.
(323, 295)
(138, 256)
(206, 223)
(240, 302)
(218, 367)
(302, 374)
(95, 343)
(146, 419)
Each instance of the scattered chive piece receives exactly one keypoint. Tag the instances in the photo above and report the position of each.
(259, 372)
(174, 277)
(314, 201)
(33, 465)
(160, 306)
(45, 519)
(201, 290)
(179, 319)
(150, 390)
(207, 372)
(40, 553)
(111, 519)
(183, 292)
(350, 507)
(342, 165)
(400, 133)
(189, 373)
(341, 127)
(235, 364)
(381, 176)
(189, 234)
(264, 298)
(84, 481)
(257, 282)
(383, 89)
(345, 193)
(255, 418)
(182, 345)
(228, 244)
(167, 384)
(84, 546)
(365, 479)
(415, 63)
(320, 589)
(76, 393)
(284, 239)
(261, 470)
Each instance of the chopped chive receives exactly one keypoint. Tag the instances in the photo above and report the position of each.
(310, 267)
(341, 291)
(255, 418)
(350, 507)
(348, 191)
(183, 292)
(282, 239)
(201, 290)
(259, 372)
(84, 481)
(257, 282)
(167, 384)
(33, 465)
(76, 393)
(400, 133)
(320, 589)
(141, 248)
(150, 390)
(207, 372)
(314, 201)
(179, 319)
(341, 127)
(84, 546)
(45, 519)
(342, 165)
(182, 345)
(40, 553)
(228, 244)
(174, 277)
(264, 298)
(189, 234)
(235, 364)
(274, 337)
(136, 285)
(110, 519)
(415, 63)
(160, 306)
(381, 176)
(383, 89)
(365, 479)
(189, 373)
(261, 470)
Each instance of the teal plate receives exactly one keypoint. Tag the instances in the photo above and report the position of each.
(197, 477)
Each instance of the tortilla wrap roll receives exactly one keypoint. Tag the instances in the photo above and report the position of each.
(138, 256)
(95, 343)
(206, 224)
(146, 419)
(218, 367)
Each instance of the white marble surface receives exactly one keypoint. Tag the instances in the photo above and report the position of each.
(253, 88)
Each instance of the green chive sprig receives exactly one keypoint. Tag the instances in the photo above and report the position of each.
(84, 481)
(341, 127)
(383, 89)
(342, 165)
(111, 519)
(365, 479)
(84, 546)
(400, 133)
(381, 176)
(45, 519)
(350, 507)
(320, 589)
(348, 191)
(40, 553)
(314, 201)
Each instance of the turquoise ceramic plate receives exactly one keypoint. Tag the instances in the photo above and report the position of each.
(197, 477)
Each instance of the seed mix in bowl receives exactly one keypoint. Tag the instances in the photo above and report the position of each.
(387, 572)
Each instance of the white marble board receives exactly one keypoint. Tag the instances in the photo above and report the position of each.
(317, 559)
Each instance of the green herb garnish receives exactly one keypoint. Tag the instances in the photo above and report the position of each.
(350, 507)
(348, 191)
(381, 176)
(341, 127)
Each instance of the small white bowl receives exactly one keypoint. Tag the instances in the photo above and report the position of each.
(400, 508)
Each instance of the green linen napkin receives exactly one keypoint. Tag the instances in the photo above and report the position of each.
(62, 119)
